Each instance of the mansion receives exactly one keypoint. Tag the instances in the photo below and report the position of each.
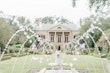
(58, 34)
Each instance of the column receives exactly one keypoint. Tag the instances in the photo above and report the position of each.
(70, 36)
(63, 38)
(48, 37)
(55, 38)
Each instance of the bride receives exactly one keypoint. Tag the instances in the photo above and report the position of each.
(58, 60)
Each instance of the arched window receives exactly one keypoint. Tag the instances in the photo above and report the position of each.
(59, 28)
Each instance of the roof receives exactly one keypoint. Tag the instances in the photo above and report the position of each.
(49, 26)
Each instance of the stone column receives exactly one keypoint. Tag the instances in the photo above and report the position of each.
(63, 38)
(70, 36)
(55, 38)
(48, 37)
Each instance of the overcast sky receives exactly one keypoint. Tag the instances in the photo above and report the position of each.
(41, 8)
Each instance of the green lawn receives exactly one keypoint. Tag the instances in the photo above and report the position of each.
(24, 64)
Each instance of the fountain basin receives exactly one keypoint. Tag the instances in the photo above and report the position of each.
(50, 70)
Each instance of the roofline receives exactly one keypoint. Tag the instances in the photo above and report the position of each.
(58, 25)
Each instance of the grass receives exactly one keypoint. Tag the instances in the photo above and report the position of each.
(26, 63)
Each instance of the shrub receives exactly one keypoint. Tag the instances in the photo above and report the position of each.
(108, 58)
(69, 52)
(18, 46)
(24, 54)
(2, 46)
(6, 55)
(101, 55)
(13, 54)
(86, 52)
(27, 44)
(13, 49)
(16, 50)
(16, 54)
(31, 52)
(104, 55)
(6, 58)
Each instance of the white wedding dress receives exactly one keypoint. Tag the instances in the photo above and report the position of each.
(58, 60)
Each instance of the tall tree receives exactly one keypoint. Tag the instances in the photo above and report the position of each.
(53, 20)
(23, 20)
(86, 23)
(98, 5)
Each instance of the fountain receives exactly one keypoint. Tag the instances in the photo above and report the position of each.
(59, 65)
(87, 35)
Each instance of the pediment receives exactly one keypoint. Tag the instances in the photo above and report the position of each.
(59, 27)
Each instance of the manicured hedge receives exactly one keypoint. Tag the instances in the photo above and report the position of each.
(6, 58)
(69, 53)
(108, 58)
(6, 55)
(103, 55)
(16, 54)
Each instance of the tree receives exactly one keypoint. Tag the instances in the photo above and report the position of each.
(98, 5)
(6, 31)
(86, 24)
(105, 23)
(52, 20)
(23, 21)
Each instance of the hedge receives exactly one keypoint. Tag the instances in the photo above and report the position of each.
(6, 58)
(108, 58)
(16, 54)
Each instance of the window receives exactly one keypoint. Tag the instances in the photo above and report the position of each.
(59, 38)
(42, 36)
(59, 28)
(52, 38)
(66, 38)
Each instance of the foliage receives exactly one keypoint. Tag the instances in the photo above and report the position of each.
(101, 23)
(14, 48)
(4, 28)
(104, 55)
(52, 20)
(85, 52)
(6, 31)
(18, 55)
(108, 58)
(104, 23)
(69, 52)
(98, 5)
(2, 46)
(28, 44)
(6, 58)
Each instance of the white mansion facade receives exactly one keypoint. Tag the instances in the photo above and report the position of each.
(58, 34)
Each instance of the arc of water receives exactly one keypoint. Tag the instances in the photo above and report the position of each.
(88, 49)
(21, 29)
(9, 42)
(82, 37)
(74, 46)
(26, 57)
(97, 50)
(33, 53)
(20, 50)
(95, 27)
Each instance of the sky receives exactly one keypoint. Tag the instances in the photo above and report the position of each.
(42, 8)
